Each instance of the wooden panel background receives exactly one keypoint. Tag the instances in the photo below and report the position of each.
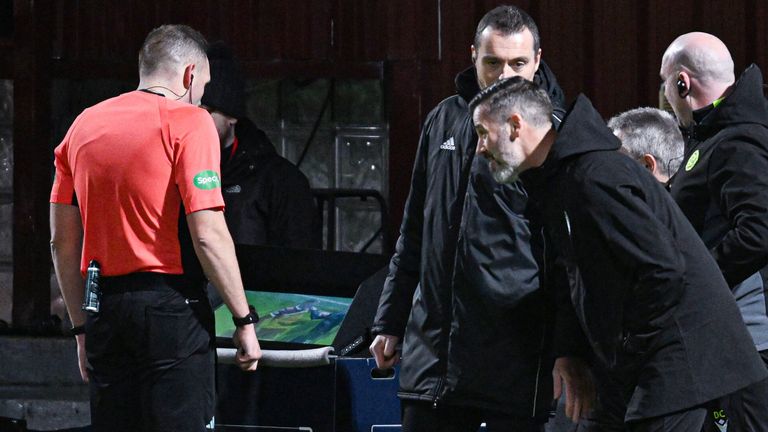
(607, 49)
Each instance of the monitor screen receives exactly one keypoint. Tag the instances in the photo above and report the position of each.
(290, 318)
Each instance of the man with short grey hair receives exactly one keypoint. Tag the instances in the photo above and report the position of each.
(634, 276)
(722, 186)
(651, 137)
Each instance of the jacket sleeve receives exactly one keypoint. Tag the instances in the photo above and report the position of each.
(637, 239)
(568, 337)
(405, 265)
(738, 180)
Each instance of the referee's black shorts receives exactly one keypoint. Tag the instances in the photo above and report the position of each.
(151, 351)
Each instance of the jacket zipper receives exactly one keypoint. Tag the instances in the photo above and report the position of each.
(439, 390)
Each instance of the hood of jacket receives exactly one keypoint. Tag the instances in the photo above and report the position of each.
(467, 86)
(583, 130)
(744, 105)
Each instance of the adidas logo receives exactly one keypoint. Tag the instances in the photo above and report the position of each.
(448, 145)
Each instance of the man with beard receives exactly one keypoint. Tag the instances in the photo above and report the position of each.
(637, 278)
(463, 293)
(722, 186)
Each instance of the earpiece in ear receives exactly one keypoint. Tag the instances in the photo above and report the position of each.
(682, 89)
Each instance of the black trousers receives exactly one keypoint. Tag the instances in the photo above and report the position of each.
(745, 410)
(690, 420)
(420, 416)
(151, 354)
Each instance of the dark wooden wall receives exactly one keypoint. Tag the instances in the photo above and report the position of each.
(608, 49)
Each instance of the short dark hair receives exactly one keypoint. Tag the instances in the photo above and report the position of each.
(171, 44)
(515, 94)
(507, 20)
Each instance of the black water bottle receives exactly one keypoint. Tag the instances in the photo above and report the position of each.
(91, 301)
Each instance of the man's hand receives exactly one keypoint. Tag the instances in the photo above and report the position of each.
(248, 349)
(82, 360)
(383, 350)
(579, 388)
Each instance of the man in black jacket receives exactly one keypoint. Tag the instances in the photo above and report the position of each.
(722, 186)
(637, 278)
(462, 291)
(268, 199)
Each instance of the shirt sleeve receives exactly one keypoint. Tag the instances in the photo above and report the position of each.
(196, 160)
(63, 190)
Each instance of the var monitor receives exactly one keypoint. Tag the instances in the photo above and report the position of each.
(288, 319)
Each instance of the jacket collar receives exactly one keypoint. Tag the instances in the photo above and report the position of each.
(744, 105)
(467, 86)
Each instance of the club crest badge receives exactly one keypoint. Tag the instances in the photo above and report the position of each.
(692, 161)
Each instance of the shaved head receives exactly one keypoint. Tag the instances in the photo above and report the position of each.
(702, 55)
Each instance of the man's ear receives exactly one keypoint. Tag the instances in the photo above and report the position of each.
(473, 53)
(537, 59)
(189, 74)
(650, 162)
(515, 121)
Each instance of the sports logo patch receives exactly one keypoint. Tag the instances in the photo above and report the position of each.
(449, 144)
(207, 180)
(692, 161)
(721, 420)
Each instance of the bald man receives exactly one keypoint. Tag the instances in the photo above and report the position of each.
(722, 187)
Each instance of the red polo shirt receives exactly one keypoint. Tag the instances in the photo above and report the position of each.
(131, 161)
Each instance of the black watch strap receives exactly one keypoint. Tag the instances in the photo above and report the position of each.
(77, 330)
(251, 318)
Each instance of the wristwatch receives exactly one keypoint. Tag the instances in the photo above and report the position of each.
(251, 318)
(77, 330)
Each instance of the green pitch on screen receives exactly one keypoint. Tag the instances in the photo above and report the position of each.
(295, 318)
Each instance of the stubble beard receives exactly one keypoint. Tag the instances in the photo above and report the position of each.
(505, 167)
(505, 174)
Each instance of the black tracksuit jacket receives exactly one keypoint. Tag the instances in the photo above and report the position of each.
(463, 282)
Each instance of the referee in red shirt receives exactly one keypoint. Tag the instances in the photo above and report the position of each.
(135, 175)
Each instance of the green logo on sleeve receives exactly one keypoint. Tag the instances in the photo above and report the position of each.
(692, 161)
(207, 180)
